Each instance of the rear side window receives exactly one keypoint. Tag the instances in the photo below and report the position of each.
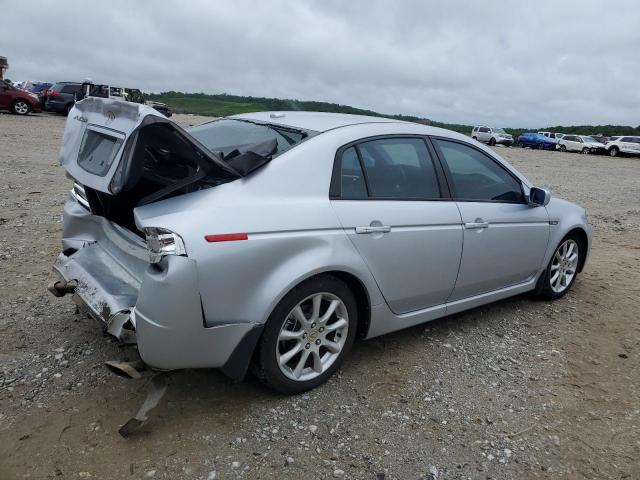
(70, 89)
(626, 139)
(476, 177)
(352, 184)
(399, 168)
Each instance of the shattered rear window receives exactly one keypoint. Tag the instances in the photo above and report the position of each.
(226, 135)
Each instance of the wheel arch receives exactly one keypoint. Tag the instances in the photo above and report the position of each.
(583, 239)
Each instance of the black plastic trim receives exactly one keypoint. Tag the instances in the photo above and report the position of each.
(238, 362)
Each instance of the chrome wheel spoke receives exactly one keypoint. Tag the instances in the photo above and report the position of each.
(298, 314)
(284, 358)
(317, 301)
(333, 347)
(329, 312)
(337, 325)
(317, 362)
(289, 335)
(301, 363)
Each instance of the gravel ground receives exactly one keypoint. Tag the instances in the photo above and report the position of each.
(517, 389)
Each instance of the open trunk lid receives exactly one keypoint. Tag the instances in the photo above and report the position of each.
(100, 136)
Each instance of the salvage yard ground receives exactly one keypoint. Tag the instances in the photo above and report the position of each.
(517, 389)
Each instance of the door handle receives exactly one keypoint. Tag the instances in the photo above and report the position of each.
(376, 229)
(476, 224)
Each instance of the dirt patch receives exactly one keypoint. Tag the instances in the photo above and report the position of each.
(517, 389)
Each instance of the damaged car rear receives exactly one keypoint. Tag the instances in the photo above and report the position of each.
(139, 218)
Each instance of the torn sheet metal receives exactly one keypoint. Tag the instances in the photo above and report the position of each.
(158, 388)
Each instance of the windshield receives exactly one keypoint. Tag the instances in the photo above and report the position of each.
(499, 130)
(226, 135)
(589, 139)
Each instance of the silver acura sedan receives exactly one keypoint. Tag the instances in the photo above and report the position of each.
(274, 240)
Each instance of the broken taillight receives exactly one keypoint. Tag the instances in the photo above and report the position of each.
(162, 242)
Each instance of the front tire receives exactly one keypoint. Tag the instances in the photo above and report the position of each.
(20, 107)
(307, 336)
(562, 269)
(614, 152)
(521, 145)
(585, 151)
(563, 148)
(492, 142)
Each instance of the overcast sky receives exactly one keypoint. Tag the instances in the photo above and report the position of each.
(496, 62)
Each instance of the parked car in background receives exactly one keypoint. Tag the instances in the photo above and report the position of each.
(536, 140)
(557, 136)
(17, 101)
(62, 96)
(491, 136)
(617, 145)
(600, 138)
(167, 238)
(580, 143)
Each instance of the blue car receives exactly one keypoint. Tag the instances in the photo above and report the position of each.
(536, 140)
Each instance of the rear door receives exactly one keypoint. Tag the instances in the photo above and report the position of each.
(504, 239)
(484, 133)
(391, 199)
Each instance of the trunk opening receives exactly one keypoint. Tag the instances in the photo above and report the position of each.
(163, 164)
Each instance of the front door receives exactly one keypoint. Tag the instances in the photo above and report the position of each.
(390, 201)
(504, 239)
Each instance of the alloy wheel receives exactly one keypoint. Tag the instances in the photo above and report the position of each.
(564, 266)
(312, 336)
(21, 107)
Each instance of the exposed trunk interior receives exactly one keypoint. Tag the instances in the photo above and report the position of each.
(163, 164)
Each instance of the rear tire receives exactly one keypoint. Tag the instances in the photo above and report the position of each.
(67, 109)
(297, 325)
(475, 138)
(20, 107)
(562, 269)
(492, 142)
(541, 146)
(614, 152)
(521, 145)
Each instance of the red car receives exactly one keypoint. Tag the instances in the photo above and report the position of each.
(18, 101)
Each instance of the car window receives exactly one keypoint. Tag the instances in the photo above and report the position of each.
(227, 135)
(399, 168)
(626, 139)
(484, 129)
(476, 177)
(352, 184)
(70, 89)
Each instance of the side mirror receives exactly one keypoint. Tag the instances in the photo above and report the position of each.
(539, 197)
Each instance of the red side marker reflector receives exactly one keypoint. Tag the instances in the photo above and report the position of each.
(226, 237)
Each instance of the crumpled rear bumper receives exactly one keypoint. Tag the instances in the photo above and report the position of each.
(156, 306)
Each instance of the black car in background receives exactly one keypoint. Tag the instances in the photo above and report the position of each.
(62, 96)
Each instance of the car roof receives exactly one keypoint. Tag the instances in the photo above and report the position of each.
(318, 121)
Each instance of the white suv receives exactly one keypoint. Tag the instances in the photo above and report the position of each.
(557, 136)
(491, 136)
(617, 145)
(580, 143)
